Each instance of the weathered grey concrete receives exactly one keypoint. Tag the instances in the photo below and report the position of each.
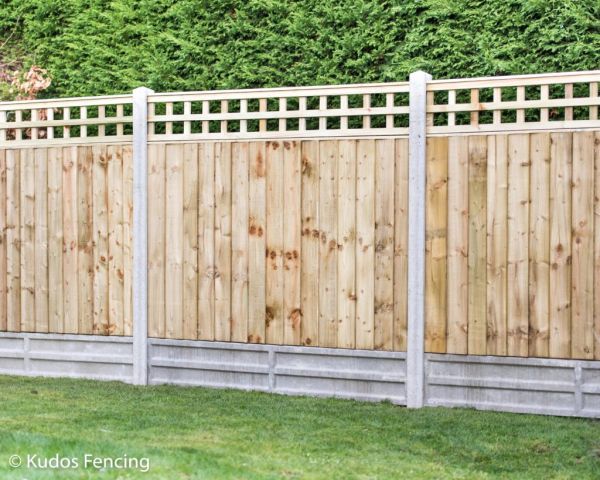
(140, 235)
(417, 143)
(357, 374)
(523, 385)
(512, 384)
(82, 356)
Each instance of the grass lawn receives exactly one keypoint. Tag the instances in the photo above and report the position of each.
(213, 434)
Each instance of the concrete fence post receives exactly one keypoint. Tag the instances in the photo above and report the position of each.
(417, 137)
(140, 235)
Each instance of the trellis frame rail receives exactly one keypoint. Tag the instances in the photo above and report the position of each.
(135, 119)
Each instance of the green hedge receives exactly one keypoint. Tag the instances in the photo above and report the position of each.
(98, 47)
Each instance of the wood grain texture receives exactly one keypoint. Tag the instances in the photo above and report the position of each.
(518, 245)
(458, 244)
(85, 253)
(239, 242)
(346, 266)
(582, 263)
(115, 241)
(436, 244)
(292, 242)
(3, 256)
(257, 244)
(560, 244)
(41, 241)
(13, 240)
(365, 244)
(190, 241)
(597, 246)
(206, 242)
(27, 211)
(401, 245)
(328, 322)
(70, 251)
(274, 243)
(309, 277)
(127, 240)
(384, 245)
(497, 246)
(174, 241)
(100, 240)
(55, 241)
(156, 241)
(539, 245)
(477, 247)
(223, 297)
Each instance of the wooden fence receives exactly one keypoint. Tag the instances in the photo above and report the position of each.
(513, 245)
(65, 244)
(284, 242)
(281, 216)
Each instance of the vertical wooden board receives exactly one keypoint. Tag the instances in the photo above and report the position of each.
(127, 240)
(156, 241)
(346, 226)
(69, 182)
(365, 244)
(85, 257)
(497, 247)
(436, 244)
(274, 251)
(292, 225)
(13, 240)
(539, 245)
(223, 242)
(3, 229)
(518, 245)
(477, 247)
(597, 246)
(206, 242)
(115, 241)
(309, 269)
(174, 241)
(328, 158)
(384, 245)
(401, 246)
(55, 241)
(560, 244)
(274, 242)
(239, 242)
(190, 241)
(458, 243)
(28, 240)
(41, 240)
(100, 238)
(256, 243)
(582, 281)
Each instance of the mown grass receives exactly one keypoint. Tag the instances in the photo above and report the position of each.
(214, 434)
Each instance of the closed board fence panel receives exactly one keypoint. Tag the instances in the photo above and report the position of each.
(283, 242)
(65, 250)
(513, 245)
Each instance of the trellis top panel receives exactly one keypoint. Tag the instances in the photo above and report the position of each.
(554, 101)
(326, 111)
(60, 121)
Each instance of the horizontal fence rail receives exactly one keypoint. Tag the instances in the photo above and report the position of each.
(281, 216)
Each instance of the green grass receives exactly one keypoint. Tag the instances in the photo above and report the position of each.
(205, 433)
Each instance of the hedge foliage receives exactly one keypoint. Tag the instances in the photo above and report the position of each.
(95, 47)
